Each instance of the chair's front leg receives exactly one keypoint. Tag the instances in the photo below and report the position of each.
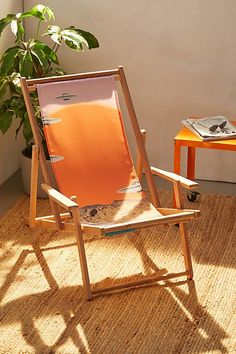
(183, 231)
(82, 254)
(177, 195)
(186, 249)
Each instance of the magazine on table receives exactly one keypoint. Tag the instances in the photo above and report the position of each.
(211, 128)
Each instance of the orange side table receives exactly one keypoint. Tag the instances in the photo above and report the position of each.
(186, 138)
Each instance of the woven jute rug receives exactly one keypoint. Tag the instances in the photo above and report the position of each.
(42, 305)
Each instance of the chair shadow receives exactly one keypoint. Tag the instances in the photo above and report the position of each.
(80, 324)
(80, 321)
(206, 233)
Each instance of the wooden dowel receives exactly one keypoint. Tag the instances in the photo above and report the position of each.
(32, 82)
(51, 217)
(182, 216)
(132, 284)
(69, 226)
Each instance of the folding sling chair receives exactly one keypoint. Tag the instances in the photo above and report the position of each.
(93, 167)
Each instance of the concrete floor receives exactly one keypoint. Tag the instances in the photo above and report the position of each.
(10, 192)
(12, 189)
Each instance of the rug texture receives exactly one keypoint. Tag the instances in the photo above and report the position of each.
(42, 305)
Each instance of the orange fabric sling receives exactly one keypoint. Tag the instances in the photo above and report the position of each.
(86, 141)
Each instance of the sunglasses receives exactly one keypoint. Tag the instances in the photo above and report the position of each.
(215, 126)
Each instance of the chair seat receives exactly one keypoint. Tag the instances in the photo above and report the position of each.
(130, 212)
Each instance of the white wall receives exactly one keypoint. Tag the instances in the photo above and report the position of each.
(180, 60)
(9, 147)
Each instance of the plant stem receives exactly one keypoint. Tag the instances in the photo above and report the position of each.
(37, 32)
(55, 50)
(58, 45)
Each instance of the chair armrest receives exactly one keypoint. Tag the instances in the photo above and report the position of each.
(173, 177)
(58, 197)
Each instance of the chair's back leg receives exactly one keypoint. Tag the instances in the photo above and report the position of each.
(139, 139)
(139, 162)
(33, 186)
(38, 141)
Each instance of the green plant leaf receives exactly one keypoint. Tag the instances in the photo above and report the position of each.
(73, 39)
(55, 33)
(32, 59)
(53, 29)
(5, 21)
(42, 12)
(17, 29)
(27, 131)
(20, 32)
(13, 82)
(3, 86)
(8, 59)
(14, 26)
(5, 121)
(91, 40)
(75, 46)
(41, 61)
(49, 53)
(17, 105)
(33, 13)
(26, 64)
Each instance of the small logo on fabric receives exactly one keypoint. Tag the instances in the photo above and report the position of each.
(56, 158)
(135, 187)
(65, 96)
(50, 121)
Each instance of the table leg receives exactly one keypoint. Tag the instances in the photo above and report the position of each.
(177, 157)
(191, 162)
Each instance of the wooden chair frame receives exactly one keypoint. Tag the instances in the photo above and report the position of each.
(58, 221)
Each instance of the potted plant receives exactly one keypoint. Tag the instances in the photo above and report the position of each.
(33, 58)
